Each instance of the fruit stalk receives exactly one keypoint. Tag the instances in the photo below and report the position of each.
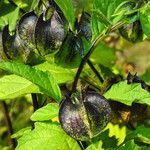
(9, 124)
(91, 49)
(95, 71)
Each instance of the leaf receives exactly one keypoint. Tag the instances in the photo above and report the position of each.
(140, 134)
(144, 18)
(12, 86)
(95, 146)
(117, 131)
(45, 113)
(104, 141)
(104, 55)
(8, 16)
(105, 8)
(146, 76)
(112, 136)
(128, 93)
(47, 136)
(21, 132)
(130, 145)
(61, 75)
(109, 12)
(125, 11)
(67, 8)
(27, 5)
(44, 80)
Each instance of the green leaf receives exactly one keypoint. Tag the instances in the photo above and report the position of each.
(8, 16)
(117, 131)
(21, 132)
(140, 134)
(105, 8)
(67, 8)
(96, 146)
(104, 55)
(125, 11)
(111, 137)
(146, 76)
(109, 12)
(44, 80)
(144, 18)
(12, 86)
(130, 145)
(61, 75)
(45, 113)
(128, 93)
(103, 141)
(27, 5)
(47, 136)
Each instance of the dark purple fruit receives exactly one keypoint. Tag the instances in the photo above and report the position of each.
(2, 53)
(14, 47)
(7, 41)
(85, 26)
(49, 34)
(84, 118)
(71, 51)
(26, 28)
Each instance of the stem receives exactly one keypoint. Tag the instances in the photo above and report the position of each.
(81, 145)
(9, 124)
(91, 49)
(34, 101)
(84, 60)
(95, 71)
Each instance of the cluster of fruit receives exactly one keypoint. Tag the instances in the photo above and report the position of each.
(84, 115)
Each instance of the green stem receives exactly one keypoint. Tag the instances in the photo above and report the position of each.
(95, 71)
(81, 145)
(84, 60)
(91, 49)
(9, 124)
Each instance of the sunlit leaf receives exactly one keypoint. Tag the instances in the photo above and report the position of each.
(21, 132)
(47, 112)
(117, 131)
(128, 93)
(109, 12)
(8, 16)
(106, 8)
(12, 86)
(44, 80)
(47, 136)
(61, 75)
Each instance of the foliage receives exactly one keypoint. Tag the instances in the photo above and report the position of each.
(128, 94)
(53, 52)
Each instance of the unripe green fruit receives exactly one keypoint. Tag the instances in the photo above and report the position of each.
(84, 118)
